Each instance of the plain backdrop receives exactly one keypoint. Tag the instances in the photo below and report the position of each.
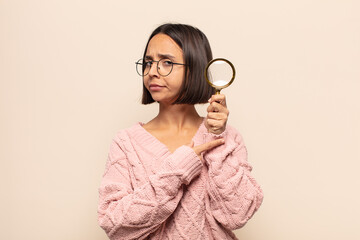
(68, 84)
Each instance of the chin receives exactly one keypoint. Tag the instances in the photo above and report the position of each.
(159, 98)
(164, 101)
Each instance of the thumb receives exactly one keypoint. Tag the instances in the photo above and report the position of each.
(207, 146)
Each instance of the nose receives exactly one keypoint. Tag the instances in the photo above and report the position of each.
(153, 72)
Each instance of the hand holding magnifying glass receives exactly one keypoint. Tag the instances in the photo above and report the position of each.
(219, 73)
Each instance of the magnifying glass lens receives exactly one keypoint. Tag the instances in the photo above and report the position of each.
(220, 73)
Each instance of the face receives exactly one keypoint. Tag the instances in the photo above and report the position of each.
(164, 89)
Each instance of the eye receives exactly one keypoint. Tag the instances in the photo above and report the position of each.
(167, 62)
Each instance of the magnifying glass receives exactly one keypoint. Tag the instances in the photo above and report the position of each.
(219, 73)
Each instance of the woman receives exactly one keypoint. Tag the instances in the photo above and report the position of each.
(179, 176)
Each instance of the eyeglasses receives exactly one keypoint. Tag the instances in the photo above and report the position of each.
(163, 66)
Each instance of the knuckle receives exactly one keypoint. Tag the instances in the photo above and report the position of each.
(211, 115)
(223, 115)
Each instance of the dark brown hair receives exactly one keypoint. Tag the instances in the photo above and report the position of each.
(197, 53)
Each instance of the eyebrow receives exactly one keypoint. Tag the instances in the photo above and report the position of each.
(161, 56)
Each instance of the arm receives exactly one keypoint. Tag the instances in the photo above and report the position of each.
(234, 194)
(128, 213)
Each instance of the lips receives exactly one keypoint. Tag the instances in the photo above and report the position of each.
(155, 87)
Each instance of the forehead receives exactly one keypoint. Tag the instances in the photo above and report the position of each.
(163, 45)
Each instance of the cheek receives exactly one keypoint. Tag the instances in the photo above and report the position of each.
(145, 81)
(179, 80)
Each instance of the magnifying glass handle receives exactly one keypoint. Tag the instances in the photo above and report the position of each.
(217, 91)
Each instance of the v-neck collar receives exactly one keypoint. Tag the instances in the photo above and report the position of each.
(145, 138)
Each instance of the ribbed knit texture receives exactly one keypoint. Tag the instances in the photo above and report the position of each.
(147, 192)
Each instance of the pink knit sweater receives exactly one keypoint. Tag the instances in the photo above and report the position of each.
(147, 192)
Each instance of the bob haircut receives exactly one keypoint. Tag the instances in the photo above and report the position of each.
(197, 53)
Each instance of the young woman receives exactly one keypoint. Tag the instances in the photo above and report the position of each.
(179, 176)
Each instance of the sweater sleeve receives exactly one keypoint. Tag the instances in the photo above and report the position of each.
(125, 212)
(234, 194)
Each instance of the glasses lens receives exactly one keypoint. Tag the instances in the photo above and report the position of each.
(165, 67)
(141, 67)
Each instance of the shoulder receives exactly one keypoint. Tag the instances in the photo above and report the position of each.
(123, 137)
(234, 136)
(232, 131)
(121, 144)
(128, 133)
(131, 138)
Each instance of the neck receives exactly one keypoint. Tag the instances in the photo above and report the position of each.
(178, 115)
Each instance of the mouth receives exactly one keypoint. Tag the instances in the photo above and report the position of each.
(155, 87)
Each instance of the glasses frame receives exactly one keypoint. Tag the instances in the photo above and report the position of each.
(157, 66)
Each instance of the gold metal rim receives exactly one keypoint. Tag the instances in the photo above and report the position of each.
(229, 83)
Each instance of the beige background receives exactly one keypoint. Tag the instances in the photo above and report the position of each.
(68, 84)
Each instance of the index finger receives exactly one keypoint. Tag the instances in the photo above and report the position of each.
(219, 98)
(209, 145)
